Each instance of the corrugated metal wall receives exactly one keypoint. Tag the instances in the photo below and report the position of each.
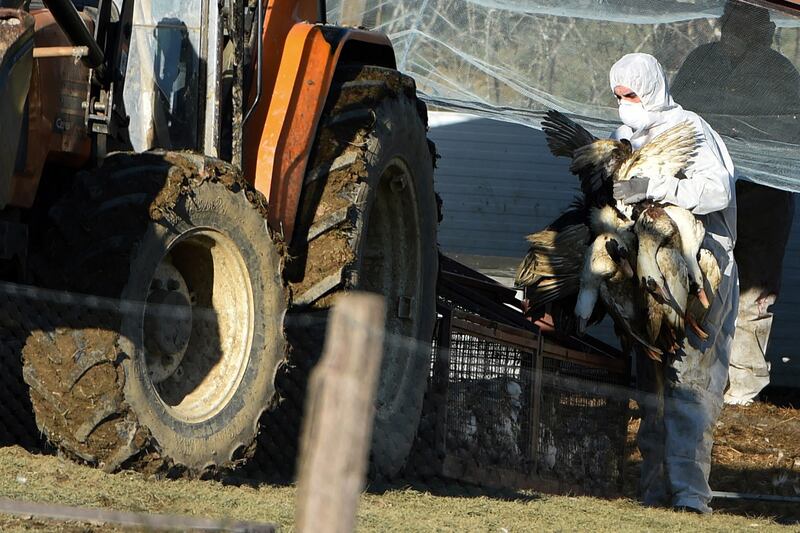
(499, 182)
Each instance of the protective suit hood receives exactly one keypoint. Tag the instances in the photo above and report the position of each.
(643, 74)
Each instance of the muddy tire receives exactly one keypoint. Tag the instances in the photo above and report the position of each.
(367, 221)
(170, 363)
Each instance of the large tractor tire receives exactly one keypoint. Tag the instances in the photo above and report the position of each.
(170, 363)
(367, 222)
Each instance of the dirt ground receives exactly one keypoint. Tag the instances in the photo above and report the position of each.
(756, 451)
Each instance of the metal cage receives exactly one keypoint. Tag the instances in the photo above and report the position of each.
(515, 408)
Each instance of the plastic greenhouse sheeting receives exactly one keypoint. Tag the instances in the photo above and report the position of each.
(514, 59)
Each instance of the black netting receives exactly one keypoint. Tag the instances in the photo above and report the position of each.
(509, 410)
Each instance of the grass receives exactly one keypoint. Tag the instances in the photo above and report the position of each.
(24, 476)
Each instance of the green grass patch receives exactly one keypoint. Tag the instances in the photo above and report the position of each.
(38, 478)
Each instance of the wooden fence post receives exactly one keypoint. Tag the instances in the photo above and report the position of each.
(337, 427)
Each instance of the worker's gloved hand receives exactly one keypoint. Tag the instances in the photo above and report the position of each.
(631, 191)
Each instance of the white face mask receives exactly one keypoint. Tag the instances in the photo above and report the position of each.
(633, 115)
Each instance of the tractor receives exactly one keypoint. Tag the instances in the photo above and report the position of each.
(182, 180)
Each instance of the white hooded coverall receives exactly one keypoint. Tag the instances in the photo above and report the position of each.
(676, 449)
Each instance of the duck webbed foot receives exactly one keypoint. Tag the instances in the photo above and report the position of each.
(653, 354)
(695, 327)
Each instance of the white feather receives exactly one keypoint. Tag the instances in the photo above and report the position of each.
(692, 233)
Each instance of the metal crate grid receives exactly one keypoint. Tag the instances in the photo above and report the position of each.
(582, 431)
(482, 358)
(487, 401)
(519, 410)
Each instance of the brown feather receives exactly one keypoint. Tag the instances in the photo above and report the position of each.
(563, 135)
(666, 155)
(551, 268)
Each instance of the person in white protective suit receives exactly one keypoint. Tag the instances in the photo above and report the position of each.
(676, 432)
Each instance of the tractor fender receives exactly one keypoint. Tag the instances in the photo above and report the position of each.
(280, 136)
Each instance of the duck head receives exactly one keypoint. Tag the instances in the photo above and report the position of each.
(609, 219)
(655, 288)
(606, 258)
(620, 256)
(654, 229)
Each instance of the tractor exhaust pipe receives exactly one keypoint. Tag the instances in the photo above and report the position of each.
(323, 11)
(78, 34)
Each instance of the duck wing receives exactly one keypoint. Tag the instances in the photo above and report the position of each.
(711, 272)
(655, 317)
(551, 269)
(595, 165)
(712, 277)
(666, 155)
(592, 158)
(692, 232)
(564, 136)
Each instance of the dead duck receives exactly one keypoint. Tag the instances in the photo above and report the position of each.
(688, 240)
(692, 233)
(696, 310)
(606, 260)
(551, 269)
(608, 275)
(552, 266)
(663, 273)
(594, 160)
(600, 162)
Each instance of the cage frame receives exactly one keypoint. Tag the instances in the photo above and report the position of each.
(459, 315)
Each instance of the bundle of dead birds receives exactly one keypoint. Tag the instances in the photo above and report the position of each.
(643, 264)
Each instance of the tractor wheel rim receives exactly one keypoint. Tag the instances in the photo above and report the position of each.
(198, 325)
(392, 267)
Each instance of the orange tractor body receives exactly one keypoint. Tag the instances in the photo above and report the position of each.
(56, 126)
(296, 78)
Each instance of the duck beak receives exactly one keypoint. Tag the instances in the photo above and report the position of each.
(703, 298)
(582, 325)
(627, 269)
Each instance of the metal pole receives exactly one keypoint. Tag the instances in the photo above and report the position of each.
(323, 12)
(259, 59)
(756, 497)
(60, 51)
(70, 21)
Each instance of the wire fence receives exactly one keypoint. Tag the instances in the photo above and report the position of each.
(495, 408)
